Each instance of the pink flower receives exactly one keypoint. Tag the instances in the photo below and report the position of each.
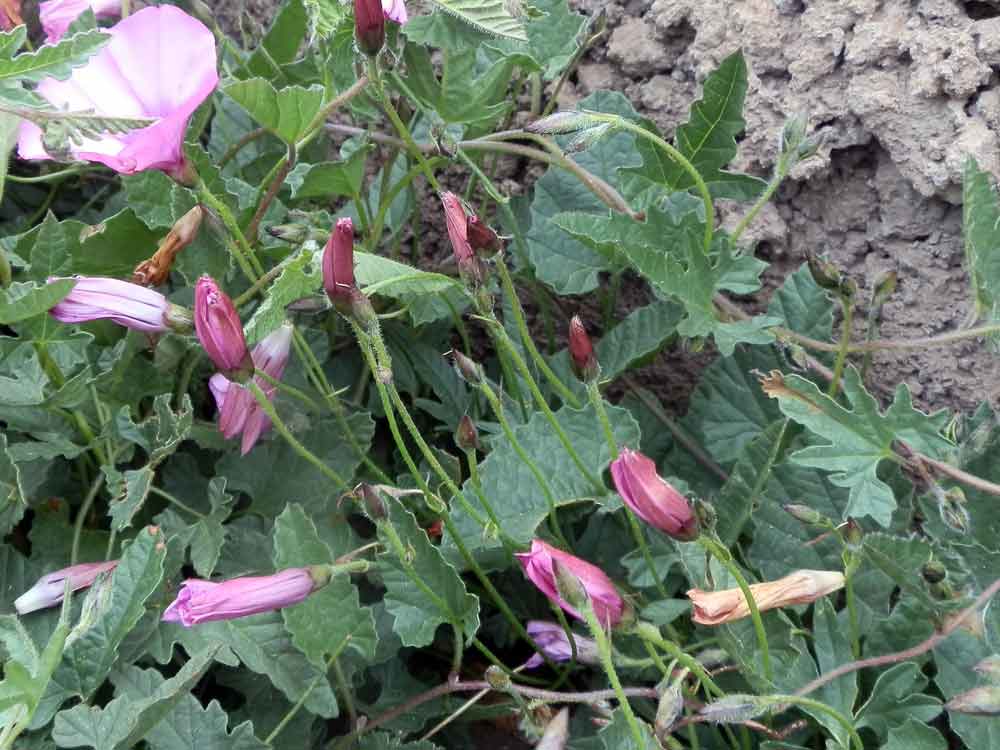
(551, 638)
(204, 601)
(338, 263)
(538, 566)
(57, 15)
(220, 331)
(369, 25)
(129, 305)
(651, 498)
(238, 409)
(458, 233)
(48, 590)
(395, 10)
(159, 65)
(581, 351)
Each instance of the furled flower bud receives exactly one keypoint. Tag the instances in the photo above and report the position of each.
(934, 571)
(581, 352)
(980, 701)
(551, 638)
(562, 123)
(467, 436)
(800, 587)
(369, 26)
(651, 498)
(824, 273)
(805, 514)
(470, 371)
(48, 590)
(469, 266)
(372, 501)
(204, 601)
(481, 237)
(156, 270)
(129, 305)
(220, 331)
(539, 566)
(735, 707)
(338, 265)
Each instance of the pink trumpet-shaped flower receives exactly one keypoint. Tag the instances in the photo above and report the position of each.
(57, 15)
(204, 601)
(159, 65)
(219, 330)
(238, 409)
(129, 305)
(551, 638)
(651, 498)
(338, 263)
(538, 566)
(395, 10)
(48, 590)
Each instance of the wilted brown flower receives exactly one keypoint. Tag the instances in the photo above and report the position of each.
(800, 587)
(156, 270)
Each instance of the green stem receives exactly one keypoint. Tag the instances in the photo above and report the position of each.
(594, 394)
(477, 487)
(852, 615)
(174, 501)
(290, 390)
(51, 176)
(268, 408)
(604, 652)
(757, 207)
(847, 305)
(81, 516)
(721, 554)
(812, 705)
(649, 632)
(242, 252)
(507, 283)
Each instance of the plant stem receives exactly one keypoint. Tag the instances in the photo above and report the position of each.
(470, 459)
(268, 408)
(847, 304)
(81, 516)
(822, 708)
(852, 615)
(769, 191)
(174, 501)
(649, 632)
(290, 390)
(723, 556)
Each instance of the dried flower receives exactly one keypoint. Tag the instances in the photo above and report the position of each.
(129, 305)
(156, 270)
(338, 264)
(48, 590)
(220, 331)
(204, 601)
(551, 638)
(481, 237)
(556, 733)
(651, 498)
(539, 566)
(160, 64)
(238, 409)
(56, 16)
(800, 587)
(581, 352)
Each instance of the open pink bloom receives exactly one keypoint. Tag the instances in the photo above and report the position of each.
(129, 305)
(538, 566)
(160, 65)
(338, 263)
(48, 590)
(219, 329)
(57, 15)
(552, 639)
(800, 587)
(204, 601)
(651, 498)
(394, 10)
(238, 409)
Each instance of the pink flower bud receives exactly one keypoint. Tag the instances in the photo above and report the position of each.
(551, 638)
(238, 409)
(581, 351)
(458, 232)
(129, 305)
(369, 25)
(204, 601)
(604, 597)
(651, 498)
(220, 331)
(481, 237)
(338, 263)
(48, 590)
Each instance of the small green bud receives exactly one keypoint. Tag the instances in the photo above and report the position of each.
(793, 133)
(669, 708)
(805, 514)
(735, 707)
(934, 571)
(361, 309)
(570, 588)
(561, 123)
(497, 678)
(824, 273)
(178, 319)
(885, 285)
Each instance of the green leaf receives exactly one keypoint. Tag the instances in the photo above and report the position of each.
(707, 140)
(618, 736)
(9, 128)
(553, 38)
(91, 654)
(896, 699)
(54, 60)
(833, 649)
(331, 618)
(282, 41)
(13, 501)
(859, 439)
(129, 491)
(298, 481)
(981, 219)
(440, 598)
(513, 490)
(387, 741)
(427, 295)
(286, 112)
(328, 178)
(803, 305)
(125, 721)
(205, 537)
(11, 41)
(301, 275)
(156, 199)
(914, 735)
(490, 16)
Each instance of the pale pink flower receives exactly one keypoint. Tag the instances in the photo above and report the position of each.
(650, 497)
(394, 10)
(129, 305)
(160, 64)
(48, 590)
(57, 15)
(800, 587)
(551, 638)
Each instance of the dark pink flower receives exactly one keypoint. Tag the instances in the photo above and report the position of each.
(551, 638)
(369, 25)
(651, 498)
(581, 351)
(338, 263)
(159, 65)
(129, 305)
(48, 590)
(220, 331)
(457, 223)
(57, 15)
(538, 566)
(204, 601)
(238, 409)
